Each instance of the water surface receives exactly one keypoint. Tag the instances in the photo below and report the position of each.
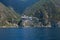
(30, 34)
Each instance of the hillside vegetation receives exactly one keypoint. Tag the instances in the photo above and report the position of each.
(8, 17)
(45, 10)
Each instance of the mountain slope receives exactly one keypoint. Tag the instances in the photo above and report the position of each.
(48, 6)
(45, 10)
(8, 15)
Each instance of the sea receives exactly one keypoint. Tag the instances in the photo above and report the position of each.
(31, 33)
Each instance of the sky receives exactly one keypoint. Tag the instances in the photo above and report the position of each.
(19, 5)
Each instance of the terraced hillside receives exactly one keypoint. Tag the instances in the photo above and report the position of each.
(8, 17)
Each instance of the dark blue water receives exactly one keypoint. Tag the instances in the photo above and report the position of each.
(19, 5)
(30, 34)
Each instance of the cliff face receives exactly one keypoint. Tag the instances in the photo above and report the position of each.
(8, 17)
(46, 10)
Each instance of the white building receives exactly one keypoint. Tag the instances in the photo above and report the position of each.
(26, 21)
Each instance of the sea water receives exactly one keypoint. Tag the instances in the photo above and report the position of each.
(30, 34)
